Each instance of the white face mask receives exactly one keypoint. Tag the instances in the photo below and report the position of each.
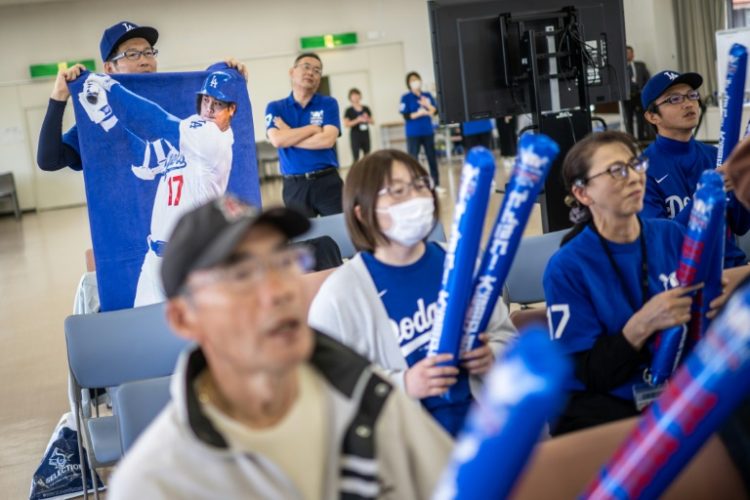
(415, 85)
(411, 220)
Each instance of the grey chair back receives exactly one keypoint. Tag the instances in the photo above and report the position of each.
(136, 404)
(524, 282)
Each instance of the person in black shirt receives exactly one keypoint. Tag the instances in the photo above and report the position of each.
(358, 119)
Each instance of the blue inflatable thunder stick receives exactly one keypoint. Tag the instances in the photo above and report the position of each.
(523, 390)
(536, 154)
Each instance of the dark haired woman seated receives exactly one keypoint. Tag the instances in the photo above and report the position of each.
(382, 302)
(612, 284)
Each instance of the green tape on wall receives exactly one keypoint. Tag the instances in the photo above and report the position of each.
(50, 69)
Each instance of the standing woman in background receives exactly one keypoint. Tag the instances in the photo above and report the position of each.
(358, 119)
(418, 108)
(612, 284)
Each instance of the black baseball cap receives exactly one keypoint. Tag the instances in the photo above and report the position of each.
(206, 236)
(122, 31)
(660, 82)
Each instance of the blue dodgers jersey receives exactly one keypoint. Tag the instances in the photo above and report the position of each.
(478, 127)
(673, 173)
(422, 125)
(585, 297)
(409, 294)
(321, 110)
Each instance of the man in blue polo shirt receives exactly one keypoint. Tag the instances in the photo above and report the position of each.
(676, 159)
(304, 127)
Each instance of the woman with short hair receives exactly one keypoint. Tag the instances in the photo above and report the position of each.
(382, 302)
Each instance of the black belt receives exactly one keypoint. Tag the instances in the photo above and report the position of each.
(315, 174)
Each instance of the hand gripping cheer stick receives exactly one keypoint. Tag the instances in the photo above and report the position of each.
(523, 390)
(705, 390)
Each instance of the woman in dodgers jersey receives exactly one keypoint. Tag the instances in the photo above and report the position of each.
(612, 283)
(382, 302)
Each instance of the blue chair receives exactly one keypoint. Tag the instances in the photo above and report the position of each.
(335, 227)
(106, 350)
(136, 404)
(524, 283)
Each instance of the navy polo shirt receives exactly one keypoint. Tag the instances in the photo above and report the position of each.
(321, 110)
(420, 126)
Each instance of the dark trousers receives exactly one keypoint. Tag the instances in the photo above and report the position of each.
(428, 143)
(312, 197)
(633, 111)
(483, 139)
(359, 142)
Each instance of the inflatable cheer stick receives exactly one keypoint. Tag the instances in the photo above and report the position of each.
(705, 390)
(523, 389)
(536, 154)
(458, 271)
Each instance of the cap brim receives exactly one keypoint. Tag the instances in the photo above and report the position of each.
(147, 32)
(289, 222)
(693, 79)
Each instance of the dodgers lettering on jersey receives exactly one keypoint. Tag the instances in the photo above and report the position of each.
(320, 111)
(197, 173)
(585, 296)
(409, 295)
(674, 170)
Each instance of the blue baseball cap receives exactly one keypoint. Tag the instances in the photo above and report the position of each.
(660, 82)
(223, 86)
(122, 31)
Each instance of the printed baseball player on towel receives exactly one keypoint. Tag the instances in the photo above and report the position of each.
(187, 160)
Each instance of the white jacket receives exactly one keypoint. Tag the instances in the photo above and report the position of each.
(347, 307)
(381, 444)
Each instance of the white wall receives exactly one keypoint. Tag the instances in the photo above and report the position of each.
(649, 29)
(262, 33)
(393, 34)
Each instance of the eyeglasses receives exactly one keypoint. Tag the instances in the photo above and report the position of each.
(400, 190)
(317, 70)
(246, 274)
(619, 170)
(693, 95)
(134, 55)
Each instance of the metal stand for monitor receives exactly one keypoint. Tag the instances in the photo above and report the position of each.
(564, 126)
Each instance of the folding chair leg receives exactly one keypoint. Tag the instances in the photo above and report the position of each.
(83, 465)
(94, 478)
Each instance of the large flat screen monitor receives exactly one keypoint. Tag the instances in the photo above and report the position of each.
(482, 55)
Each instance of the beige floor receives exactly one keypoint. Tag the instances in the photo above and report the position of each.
(41, 261)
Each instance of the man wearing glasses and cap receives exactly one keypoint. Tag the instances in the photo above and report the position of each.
(676, 159)
(263, 406)
(125, 48)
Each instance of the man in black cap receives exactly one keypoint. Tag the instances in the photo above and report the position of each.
(676, 159)
(125, 48)
(263, 406)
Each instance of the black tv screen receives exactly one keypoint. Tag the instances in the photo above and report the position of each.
(482, 62)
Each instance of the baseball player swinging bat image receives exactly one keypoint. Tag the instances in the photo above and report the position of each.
(188, 175)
